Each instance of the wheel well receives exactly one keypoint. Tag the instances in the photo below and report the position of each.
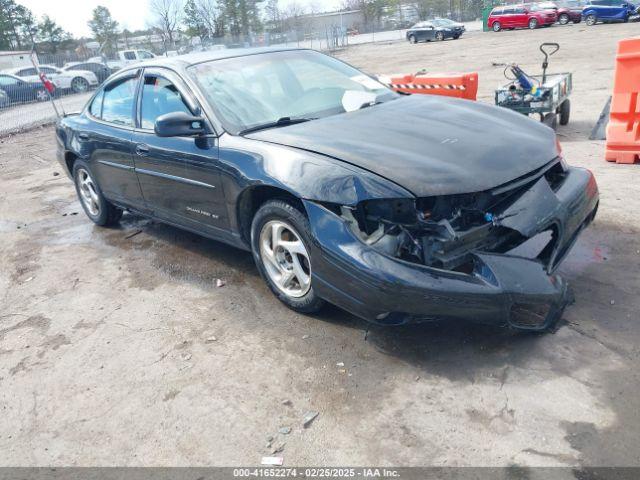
(253, 198)
(70, 159)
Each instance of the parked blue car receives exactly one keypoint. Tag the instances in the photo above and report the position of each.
(608, 11)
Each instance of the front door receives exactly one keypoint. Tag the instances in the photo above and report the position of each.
(179, 176)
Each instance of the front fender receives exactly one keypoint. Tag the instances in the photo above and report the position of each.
(306, 175)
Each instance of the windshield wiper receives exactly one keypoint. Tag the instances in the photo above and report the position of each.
(370, 104)
(281, 122)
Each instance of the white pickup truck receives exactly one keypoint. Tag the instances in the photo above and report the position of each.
(126, 57)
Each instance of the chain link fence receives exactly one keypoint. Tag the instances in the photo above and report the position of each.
(24, 103)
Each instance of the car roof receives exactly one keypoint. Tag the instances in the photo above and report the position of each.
(5, 73)
(181, 62)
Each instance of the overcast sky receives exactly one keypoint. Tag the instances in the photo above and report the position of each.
(73, 15)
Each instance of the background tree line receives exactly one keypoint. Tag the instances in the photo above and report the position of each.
(212, 20)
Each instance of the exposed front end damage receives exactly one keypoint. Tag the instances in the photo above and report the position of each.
(487, 256)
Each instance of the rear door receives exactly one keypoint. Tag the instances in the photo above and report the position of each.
(179, 176)
(107, 139)
(520, 17)
(507, 18)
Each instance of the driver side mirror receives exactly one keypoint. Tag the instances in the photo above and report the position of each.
(179, 124)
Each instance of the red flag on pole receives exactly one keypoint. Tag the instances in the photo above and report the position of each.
(48, 84)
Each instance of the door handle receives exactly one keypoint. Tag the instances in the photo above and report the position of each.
(83, 137)
(142, 150)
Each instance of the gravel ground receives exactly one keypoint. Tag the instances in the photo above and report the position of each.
(117, 348)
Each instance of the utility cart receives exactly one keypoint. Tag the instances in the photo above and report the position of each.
(546, 95)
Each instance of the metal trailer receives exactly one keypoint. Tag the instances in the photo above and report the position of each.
(550, 100)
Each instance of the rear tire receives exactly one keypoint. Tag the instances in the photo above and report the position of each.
(99, 210)
(563, 19)
(591, 20)
(276, 259)
(79, 85)
(439, 36)
(496, 27)
(565, 112)
(413, 39)
(533, 24)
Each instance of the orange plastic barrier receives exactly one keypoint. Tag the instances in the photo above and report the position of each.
(623, 131)
(460, 85)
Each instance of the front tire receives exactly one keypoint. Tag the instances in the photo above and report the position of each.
(99, 210)
(591, 20)
(496, 26)
(533, 24)
(281, 243)
(413, 39)
(565, 112)
(42, 95)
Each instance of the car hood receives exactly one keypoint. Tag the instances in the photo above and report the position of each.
(427, 144)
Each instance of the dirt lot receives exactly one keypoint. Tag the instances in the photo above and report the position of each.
(116, 347)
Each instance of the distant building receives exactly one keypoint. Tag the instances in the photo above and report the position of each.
(344, 20)
(9, 59)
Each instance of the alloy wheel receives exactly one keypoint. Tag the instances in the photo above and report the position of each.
(591, 20)
(564, 19)
(533, 23)
(412, 39)
(285, 258)
(88, 192)
(79, 85)
(42, 96)
(439, 36)
(496, 26)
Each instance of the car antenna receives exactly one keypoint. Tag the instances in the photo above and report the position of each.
(49, 87)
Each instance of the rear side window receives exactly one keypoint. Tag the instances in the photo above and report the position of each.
(95, 109)
(159, 96)
(129, 55)
(27, 72)
(117, 104)
(497, 11)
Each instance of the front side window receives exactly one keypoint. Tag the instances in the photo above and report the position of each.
(254, 90)
(143, 54)
(117, 105)
(159, 96)
(96, 106)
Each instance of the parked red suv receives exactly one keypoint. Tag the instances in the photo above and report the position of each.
(520, 16)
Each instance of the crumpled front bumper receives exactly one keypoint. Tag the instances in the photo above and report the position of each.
(503, 289)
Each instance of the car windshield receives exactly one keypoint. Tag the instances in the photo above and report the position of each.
(253, 90)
